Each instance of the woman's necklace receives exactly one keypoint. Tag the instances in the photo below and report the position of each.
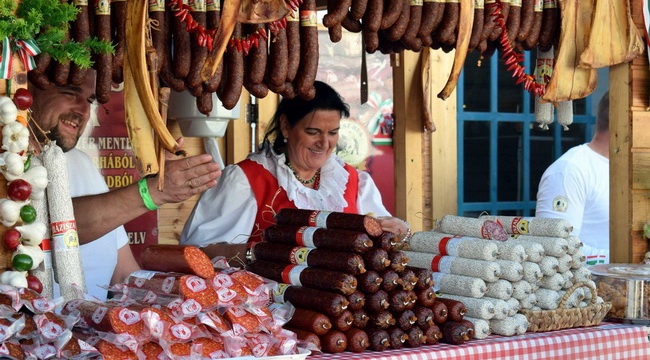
(303, 181)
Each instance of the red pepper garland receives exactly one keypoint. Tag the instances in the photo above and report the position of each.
(206, 37)
(513, 59)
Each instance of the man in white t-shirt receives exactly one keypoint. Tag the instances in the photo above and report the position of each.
(61, 113)
(576, 188)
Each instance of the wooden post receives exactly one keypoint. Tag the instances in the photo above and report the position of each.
(407, 95)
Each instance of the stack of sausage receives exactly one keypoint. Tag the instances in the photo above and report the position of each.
(351, 287)
(193, 312)
(496, 271)
(31, 329)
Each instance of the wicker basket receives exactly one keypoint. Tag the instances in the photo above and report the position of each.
(563, 318)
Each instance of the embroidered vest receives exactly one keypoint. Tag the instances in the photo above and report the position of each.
(271, 197)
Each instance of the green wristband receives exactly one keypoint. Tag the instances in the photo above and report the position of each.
(143, 187)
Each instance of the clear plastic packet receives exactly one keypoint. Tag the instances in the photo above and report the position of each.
(11, 350)
(10, 327)
(51, 326)
(214, 321)
(37, 303)
(242, 320)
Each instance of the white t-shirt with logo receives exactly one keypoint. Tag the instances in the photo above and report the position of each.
(576, 188)
(99, 257)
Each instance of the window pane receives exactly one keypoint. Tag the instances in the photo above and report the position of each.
(580, 106)
(510, 153)
(574, 136)
(541, 155)
(477, 83)
(476, 161)
(510, 96)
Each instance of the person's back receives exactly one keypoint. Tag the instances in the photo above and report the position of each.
(576, 188)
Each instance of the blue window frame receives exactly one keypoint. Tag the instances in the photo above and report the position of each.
(501, 151)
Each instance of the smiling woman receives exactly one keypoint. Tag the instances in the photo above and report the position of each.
(295, 168)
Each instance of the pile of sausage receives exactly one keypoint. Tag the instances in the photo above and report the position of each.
(182, 308)
(352, 288)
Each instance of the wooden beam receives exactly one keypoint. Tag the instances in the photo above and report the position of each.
(407, 97)
(620, 241)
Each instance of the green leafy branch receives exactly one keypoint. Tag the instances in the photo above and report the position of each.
(48, 22)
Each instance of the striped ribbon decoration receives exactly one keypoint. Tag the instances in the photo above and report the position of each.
(5, 60)
(26, 50)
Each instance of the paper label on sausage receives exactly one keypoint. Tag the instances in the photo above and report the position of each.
(128, 317)
(452, 1)
(449, 245)
(435, 1)
(102, 7)
(278, 292)
(487, 2)
(416, 2)
(197, 5)
(64, 235)
(46, 246)
(549, 4)
(298, 256)
(49, 329)
(291, 16)
(515, 3)
(195, 284)
(319, 218)
(520, 225)
(98, 314)
(308, 18)
(80, 2)
(291, 274)
(305, 236)
(437, 280)
(479, 4)
(156, 5)
(212, 5)
(538, 5)
(441, 264)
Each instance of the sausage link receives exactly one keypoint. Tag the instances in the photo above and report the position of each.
(397, 337)
(409, 280)
(182, 55)
(349, 263)
(118, 15)
(505, 11)
(381, 320)
(379, 339)
(398, 260)
(471, 331)
(453, 333)
(41, 80)
(455, 309)
(398, 29)
(343, 322)
(424, 316)
(336, 12)
(369, 282)
(550, 22)
(426, 297)
(376, 259)
(425, 277)
(477, 25)
(331, 220)
(399, 300)
(335, 32)
(177, 258)
(350, 24)
(358, 340)
(390, 280)
(305, 276)
(80, 33)
(391, 13)
(514, 20)
(433, 335)
(358, 9)
(357, 300)
(377, 301)
(371, 39)
(339, 240)
(277, 65)
(446, 33)
(158, 31)
(229, 90)
(333, 342)
(198, 52)
(212, 16)
(293, 49)
(104, 63)
(415, 337)
(432, 13)
(321, 301)
(166, 62)
(308, 68)
(360, 318)
(406, 319)
(309, 320)
(526, 19)
(440, 313)
(535, 30)
(204, 103)
(410, 38)
(387, 241)
(306, 336)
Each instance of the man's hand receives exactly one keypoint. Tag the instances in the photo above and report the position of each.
(185, 178)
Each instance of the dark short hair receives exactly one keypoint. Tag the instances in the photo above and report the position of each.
(602, 117)
(297, 108)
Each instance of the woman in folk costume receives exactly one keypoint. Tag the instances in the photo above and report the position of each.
(294, 168)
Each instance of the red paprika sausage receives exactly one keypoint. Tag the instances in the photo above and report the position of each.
(309, 320)
(177, 258)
